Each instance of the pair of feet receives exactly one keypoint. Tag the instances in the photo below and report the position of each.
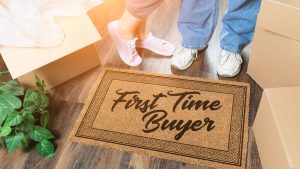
(228, 66)
(229, 62)
(127, 48)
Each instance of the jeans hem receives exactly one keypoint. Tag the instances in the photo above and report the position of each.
(194, 47)
(231, 50)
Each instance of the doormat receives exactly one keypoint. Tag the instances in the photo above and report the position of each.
(192, 120)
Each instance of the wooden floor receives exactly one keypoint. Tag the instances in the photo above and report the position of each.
(68, 99)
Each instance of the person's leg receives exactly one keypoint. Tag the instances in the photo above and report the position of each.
(141, 8)
(237, 32)
(128, 24)
(197, 21)
(239, 24)
(150, 42)
(141, 29)
(124, 32)
(135, 15)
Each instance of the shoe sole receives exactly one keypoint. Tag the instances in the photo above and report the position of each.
(183, 68)
(229, 76)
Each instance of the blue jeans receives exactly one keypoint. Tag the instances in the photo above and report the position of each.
(198, 19)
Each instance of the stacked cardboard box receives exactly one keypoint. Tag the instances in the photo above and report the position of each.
(75, 55)
(275, 54)
(277, 128)
(275, 66)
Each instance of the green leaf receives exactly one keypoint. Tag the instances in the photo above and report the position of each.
(11, 88)
(4, 131)
(44, 101)
(40, 84)
(13, 119)
(25, 142)
(4, 73)
(34, 98)
(44, 119)
(13, 141)
(45, 149)
(31, 98)
(12, 82)
(27, 110)
(39, 134)
(27, 123)
(3, 115)
(9, 102)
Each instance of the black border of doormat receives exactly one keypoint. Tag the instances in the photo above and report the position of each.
(234, 154)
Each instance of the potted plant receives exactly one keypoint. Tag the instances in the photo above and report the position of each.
(24, 117)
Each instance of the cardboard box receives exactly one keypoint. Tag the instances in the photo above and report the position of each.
(56, 65)
(277, 128)
(274, 59)
(282, 17)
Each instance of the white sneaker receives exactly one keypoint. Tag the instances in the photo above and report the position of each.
(183, 58)
(229, 64)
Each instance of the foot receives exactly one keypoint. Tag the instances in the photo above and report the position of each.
(156, 45)
(126, 48)
(229, 64)
(183, 58)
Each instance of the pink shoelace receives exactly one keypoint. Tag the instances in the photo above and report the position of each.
(131, 47)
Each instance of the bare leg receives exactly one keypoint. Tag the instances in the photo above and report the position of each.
(141, 29)
(128, 25)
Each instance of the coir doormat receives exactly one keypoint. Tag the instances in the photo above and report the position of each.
(187, 119)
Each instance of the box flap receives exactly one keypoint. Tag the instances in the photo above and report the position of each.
(285, 103)
(281, 16)
(79, 33)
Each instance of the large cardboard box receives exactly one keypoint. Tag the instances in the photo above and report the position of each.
(275, 53)
(277, 128)
(56, 65)
(281, 16)
(274, 60)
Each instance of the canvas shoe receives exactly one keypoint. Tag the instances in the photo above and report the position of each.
(126, 48)
(156, 45)
(183, 58)
(229, 64)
